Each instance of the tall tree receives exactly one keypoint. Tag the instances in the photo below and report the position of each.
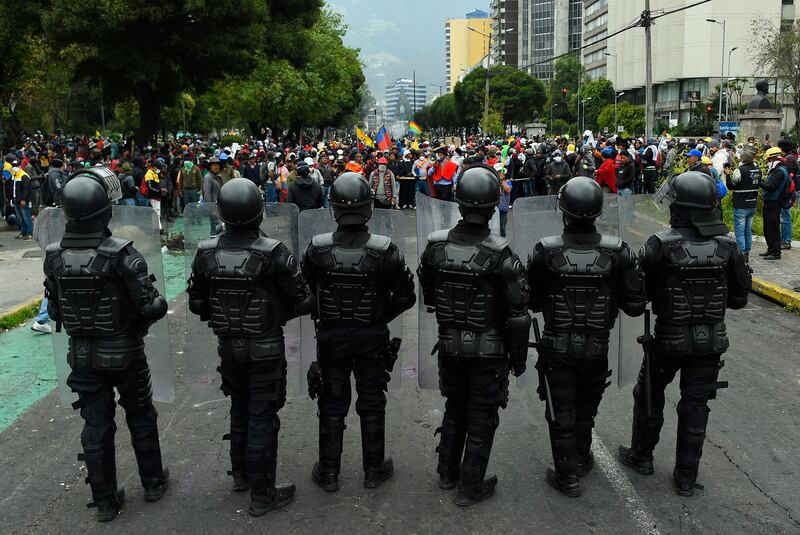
(566, 74)
(600, 94)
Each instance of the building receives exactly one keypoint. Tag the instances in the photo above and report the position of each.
(595, 58)
(464, 47)
(505, 28)
(547, 28)
(403, 99)
(688, 52)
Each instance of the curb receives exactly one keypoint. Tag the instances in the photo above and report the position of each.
(17, 309)
(779, 294)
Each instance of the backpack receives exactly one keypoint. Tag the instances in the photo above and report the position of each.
(788, 197)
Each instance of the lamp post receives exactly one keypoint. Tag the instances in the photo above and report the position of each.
(616, 63)
(722, 72)
(583, 116)
(616, 122)
(488, 64)
(552, 106)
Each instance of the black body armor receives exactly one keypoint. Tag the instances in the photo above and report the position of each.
(581, 292)
(467, 294)
(105, 300)
(247, 288)
(692, 294)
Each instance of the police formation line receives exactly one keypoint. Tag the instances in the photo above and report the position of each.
(353, 283)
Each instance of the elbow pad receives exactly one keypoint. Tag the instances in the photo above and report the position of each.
(154, 310)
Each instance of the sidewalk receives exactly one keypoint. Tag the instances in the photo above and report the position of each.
(778, 280)
(20, 270)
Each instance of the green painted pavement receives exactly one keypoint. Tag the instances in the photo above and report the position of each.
(27, 369)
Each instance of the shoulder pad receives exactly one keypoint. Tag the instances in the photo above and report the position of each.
(377, 242)
(552, 242)
(496, 243)
(113, 245)
(265, 245)
(323, 240)
(668, 236)
(726, 240)
(613, 243)
(439, 235)
(210, 243)
(53, 248)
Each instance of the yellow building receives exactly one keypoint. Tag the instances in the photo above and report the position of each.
(465, 48)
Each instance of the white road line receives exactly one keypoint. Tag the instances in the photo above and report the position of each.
(633, 503)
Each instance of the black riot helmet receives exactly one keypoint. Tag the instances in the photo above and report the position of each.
(239, 203)
(351, 199)
(89, 194)
(477, 193)
(581, 198)
(696, 201)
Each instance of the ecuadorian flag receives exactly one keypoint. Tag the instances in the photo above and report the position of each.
(414, 128)
(382, 139)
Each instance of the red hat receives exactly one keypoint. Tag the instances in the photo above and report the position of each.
(382, 161)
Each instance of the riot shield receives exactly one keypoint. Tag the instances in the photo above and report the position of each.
(392, 223)
(139, 224)
(200, 223)
(639, 218)
(537, 217)
(433, 215)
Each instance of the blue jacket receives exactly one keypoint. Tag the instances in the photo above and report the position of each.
(776, 183)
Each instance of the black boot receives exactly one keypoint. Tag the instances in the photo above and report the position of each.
(326, 470)
(472, 493)
(154, 477)
(584, 437)
(474, 486)
(377, 469)
(564, 477)
(265, 495)
(645, 431)
(451, 449)
(692, 422)
(102, 479)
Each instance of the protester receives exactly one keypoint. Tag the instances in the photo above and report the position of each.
(775, 185)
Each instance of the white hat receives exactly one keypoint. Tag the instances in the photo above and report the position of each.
(309, 161)
(498, 167)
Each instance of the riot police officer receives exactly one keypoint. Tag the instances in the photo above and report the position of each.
(578, 280)
(693, 272)
(477, 287)
(361, 283)
(99, 290)
(248, 286)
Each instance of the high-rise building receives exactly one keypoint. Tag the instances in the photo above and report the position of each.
(547, 28)
(595, 29)
(403, 99)
(505, 28)
(688, 53)
(465, 48)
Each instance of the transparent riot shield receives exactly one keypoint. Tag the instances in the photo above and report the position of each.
(535, 218)
(201, 223)
(139, 224)
(639, 218)
(392, 223)
(433, 215)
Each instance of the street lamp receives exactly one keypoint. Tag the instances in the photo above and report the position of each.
(616, 63)
(551, 113)
(722, 73)
(727, 85)
(616, 122)
(583, 117)
(488, 64)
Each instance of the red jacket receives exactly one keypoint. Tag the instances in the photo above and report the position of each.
(606, 176)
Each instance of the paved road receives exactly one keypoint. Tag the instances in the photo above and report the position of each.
(750, 467)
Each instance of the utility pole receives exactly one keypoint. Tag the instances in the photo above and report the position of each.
(102, 109)
(650, 111)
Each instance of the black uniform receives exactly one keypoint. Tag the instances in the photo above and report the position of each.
(693, 272)
(247, 286)
(361, 283)
(99, 289)
(579, 280)
(477, 287)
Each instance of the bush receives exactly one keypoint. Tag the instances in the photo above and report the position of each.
(232, 138)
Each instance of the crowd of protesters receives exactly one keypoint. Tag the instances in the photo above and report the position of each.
(171, 175)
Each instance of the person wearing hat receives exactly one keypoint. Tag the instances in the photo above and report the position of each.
(557, 173)
(382, 182)
(693, 272)
(606, 175)
(127, 184)
(626, 174)
(442, 174)
(775, 187)
(22, 199)
(743, 183)
(790, 160)
(506, 186)
(54, 182)
(188, 183)
(305, 191)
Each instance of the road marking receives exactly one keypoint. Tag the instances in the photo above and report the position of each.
(630, 498)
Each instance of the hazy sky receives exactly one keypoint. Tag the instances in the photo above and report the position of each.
(400, 36)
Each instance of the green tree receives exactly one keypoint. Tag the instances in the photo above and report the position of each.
(601, 93)
(515, 93)
(153, 51)
(470, 97)
(566, 72)
(492, 123)
(630, 117)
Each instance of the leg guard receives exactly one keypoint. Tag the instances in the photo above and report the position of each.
(480, 437)
(238, 439)
(451, 445)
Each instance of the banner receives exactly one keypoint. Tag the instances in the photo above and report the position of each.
(364, 138)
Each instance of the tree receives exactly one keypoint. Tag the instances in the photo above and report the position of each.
(516, 94)
(492, 123)
(469, 95)
(776, 47)
(153, 51)
(630, 117)
(566, 72)
(601, 93)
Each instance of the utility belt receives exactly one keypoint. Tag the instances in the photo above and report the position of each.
(693, 339)
(472, 344)
(104, 353)
(575, 344)
(244, 350)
